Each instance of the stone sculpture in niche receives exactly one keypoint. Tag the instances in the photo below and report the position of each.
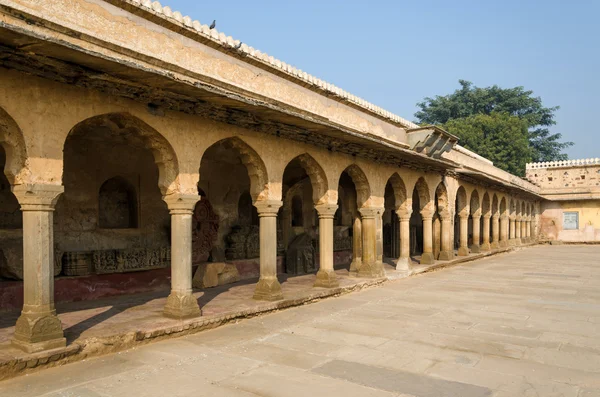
(205, 228)
(300, 255)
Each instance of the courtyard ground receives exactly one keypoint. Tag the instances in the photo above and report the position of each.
(525, 323)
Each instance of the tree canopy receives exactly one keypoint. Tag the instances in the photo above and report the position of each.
(507, 125)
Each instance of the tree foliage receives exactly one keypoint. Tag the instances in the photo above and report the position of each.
(499, 137)
(502, 105)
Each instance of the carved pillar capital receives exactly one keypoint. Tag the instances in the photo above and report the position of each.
(268, 208)
(427, 213)
(326, 211)
(179, 203)
(37, 197)
(404, 213)
(370, 212)
(487, 216)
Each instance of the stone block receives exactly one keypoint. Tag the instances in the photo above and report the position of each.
(214, 274)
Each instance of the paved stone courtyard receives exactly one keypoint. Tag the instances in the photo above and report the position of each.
(525, 323)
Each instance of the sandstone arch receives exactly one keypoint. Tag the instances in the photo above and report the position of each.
(316, 174)
(361, 183)
(11, 140)
(125, 127)
(257, 171)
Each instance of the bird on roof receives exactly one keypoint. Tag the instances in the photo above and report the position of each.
(237, 47)
(212, 25)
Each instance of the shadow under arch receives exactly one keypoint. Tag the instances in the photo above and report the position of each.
(316, 174)
(361, 184)
(126, 127)
(257, 171)
(13, 143)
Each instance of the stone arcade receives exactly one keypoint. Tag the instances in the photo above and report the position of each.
(134, 139)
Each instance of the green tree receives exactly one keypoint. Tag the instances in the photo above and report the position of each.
(499, 137)
(517, 102)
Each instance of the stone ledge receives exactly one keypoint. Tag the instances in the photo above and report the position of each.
(97, 346)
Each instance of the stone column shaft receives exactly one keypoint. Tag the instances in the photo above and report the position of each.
(518, 231)
(476, 248)
(427, 255)
(370, 267)
(181, 303)
(38, 328)
(356, 246)
(326, 277)
(485, 246)
(404, 261)
(504, 231)
(268, 286)
(463, 249)
(495, 232)
(446, 251)
(511, 232)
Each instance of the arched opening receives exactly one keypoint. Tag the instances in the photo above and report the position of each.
(461, 211)
(395, 199)
(347, 227)
(111, 217)
(11, 224)
(226, 224)
(485, 228)
(420, 200)
(12, 170)
(495, 225)
(117, 204)
(304, 184)
(442, 224)
(475, 222)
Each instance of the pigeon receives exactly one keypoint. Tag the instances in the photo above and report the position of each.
(237, 47)
(212, 25)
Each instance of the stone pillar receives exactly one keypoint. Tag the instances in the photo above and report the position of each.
(476, 219)
(268, 287)
(495, 231)
(326, 277)
(504, 231)
(181, 302)
(369, 266)
(379, 237)
(356, 246)
(446, 251)
(529, 229)
(427, 255)
(523, 230)
(518, 230)
(511, 234)
(463, 249)
(404, 262)
(38, 328)
(485, 246)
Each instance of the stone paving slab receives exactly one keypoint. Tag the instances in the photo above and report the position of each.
(397, 340)
(109, 325)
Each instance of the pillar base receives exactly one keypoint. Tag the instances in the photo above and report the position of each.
(503, 244)
(511, 242)
(371, 270)
(181, 306)
(446, 255)
(354, 266)
(268, 289)
(463, 251)
(495, 245)
(36, 332)
(485, 247)
(326, 279)
(403, 264)
(518, 241)
(475, 248)
(427, 258)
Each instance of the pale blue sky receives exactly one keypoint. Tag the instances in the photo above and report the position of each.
(394, 53)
